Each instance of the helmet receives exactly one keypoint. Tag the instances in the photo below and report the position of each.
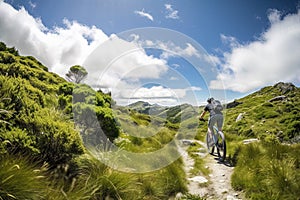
(210, 99)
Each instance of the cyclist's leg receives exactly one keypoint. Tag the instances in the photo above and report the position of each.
(211, 122)
(219, 121)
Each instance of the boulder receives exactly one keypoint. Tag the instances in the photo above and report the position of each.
(285, 87)
(278, 98)
(233, 104)
(248, 141)
(239, 117)
(188, 142)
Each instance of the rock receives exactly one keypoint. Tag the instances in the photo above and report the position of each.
(199, 179)
(229, 197)
(178, 196)
(236, 194)
(224, 191)
(278, 98)
(233, 104)
(188, 142)
(285, 87)
(239, 117)
(248, 141)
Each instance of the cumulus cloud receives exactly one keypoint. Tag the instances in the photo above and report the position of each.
(57, 48)
(117, 63)
(171, 13)
(32, 5)
(61, 47)
(142, 13)
(274, 57)
(158, 94)
(169, 48)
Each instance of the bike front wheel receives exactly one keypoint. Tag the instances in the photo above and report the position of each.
(210, 143)
(221, 146)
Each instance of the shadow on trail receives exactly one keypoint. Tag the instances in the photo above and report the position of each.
(225, 162)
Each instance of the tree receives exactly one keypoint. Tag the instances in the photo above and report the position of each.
(76, 74)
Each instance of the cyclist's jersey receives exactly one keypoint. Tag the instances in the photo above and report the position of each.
(209, 107)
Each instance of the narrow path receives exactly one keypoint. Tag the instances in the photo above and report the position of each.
(217, 184)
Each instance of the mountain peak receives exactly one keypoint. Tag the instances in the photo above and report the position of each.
(139, 104)
(285, 87)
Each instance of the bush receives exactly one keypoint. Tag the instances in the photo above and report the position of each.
(293, 129)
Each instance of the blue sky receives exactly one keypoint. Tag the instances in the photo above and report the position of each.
(197, 49)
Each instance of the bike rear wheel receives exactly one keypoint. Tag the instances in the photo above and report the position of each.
(221, 146)
(210, 143)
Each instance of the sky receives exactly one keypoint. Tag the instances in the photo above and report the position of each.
(164, 52)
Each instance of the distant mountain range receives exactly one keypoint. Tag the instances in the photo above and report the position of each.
(271, 111)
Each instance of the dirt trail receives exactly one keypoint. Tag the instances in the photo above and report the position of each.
(214, 186)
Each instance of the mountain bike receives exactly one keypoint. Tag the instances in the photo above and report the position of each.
(220, 144)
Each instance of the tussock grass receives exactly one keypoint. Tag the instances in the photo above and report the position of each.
(268, 171)
(20, 179)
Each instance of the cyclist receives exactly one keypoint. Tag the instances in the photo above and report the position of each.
(216, 115)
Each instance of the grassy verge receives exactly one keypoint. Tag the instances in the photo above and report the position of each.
(268, 171)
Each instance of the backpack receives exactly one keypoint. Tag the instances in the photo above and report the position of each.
(217, 106)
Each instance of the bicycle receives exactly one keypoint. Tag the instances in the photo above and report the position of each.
(220, 144)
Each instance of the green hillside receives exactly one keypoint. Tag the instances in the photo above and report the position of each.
(46, 124)
(272, 111)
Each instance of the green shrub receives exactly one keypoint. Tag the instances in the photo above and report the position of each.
(293, 129)
(268, 104)
(270, 114)
(65, 88)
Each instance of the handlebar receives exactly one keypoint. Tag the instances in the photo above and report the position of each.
(201, 119)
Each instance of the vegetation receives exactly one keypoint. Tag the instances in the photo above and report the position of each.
(46, 123)
(268, 171)
(76, 74)
(263, 118)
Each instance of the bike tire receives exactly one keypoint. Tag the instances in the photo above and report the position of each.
(210, 144)
(221, 147)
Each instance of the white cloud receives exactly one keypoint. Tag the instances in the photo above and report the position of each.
(32, 5)
(274, 57)
(118, 64)
(173, 78)
(170, 49)
(61, 47)
(274, 16)
(142, 13)
(57, 48)
(157, 94)
(171, 13)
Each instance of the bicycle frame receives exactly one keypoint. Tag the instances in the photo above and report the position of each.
(220, 144)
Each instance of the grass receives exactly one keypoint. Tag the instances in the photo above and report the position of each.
(199, 163)
(20, 179)
(191, 197)
(268, 171)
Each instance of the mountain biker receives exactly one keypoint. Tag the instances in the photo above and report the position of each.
(216, 116)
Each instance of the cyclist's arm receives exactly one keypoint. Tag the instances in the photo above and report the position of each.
(202, 114)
